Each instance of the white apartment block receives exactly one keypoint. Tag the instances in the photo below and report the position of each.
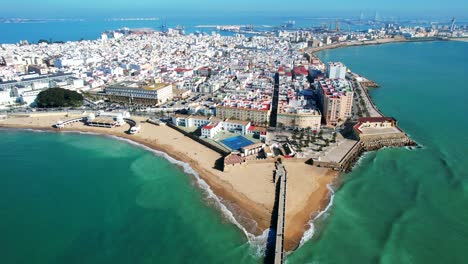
(336, 70)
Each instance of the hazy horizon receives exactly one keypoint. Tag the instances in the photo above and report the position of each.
(147, 8)
(161, 14)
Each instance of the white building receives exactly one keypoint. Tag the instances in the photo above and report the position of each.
(210, 130)
(190, 120)
(233, 126)
(336, 70)
(65, 62)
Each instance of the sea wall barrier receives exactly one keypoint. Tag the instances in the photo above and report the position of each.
(376, 143)
(372, 144)
(368, 144)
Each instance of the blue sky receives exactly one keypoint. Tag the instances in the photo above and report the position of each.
(57, 8)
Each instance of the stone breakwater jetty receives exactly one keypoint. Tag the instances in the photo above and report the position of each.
(373, 133)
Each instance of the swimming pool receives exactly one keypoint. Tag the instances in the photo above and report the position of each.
(236, 143)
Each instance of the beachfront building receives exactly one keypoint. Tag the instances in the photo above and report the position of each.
(259, 132)
(108, 120)
(256, 112)
(300, 118)
(335, 99)
(253, 149)
(336, 70)
(130, 92)
(234, 126)
(210, 130)
(104, 121)
(231, 161)
(190, 120)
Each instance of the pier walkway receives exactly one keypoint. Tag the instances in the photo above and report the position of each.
(279, 246)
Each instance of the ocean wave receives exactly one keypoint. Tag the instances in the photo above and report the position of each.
(309, 233)
(361, 159)
(258, 243)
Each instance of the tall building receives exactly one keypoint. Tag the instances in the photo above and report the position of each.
(335, 99)
(336, 70)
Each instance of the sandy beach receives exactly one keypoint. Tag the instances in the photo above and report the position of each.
(248, 189)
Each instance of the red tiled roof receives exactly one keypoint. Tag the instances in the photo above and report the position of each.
(375, 119)
(301, 71)
(233, 159)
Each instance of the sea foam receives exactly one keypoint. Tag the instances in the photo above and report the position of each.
(309, 233)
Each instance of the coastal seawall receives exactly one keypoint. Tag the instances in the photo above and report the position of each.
(373, 144)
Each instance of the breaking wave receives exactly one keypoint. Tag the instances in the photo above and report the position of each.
(309, 233)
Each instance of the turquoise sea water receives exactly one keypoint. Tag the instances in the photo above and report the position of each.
(69, 198)
(399, 205)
